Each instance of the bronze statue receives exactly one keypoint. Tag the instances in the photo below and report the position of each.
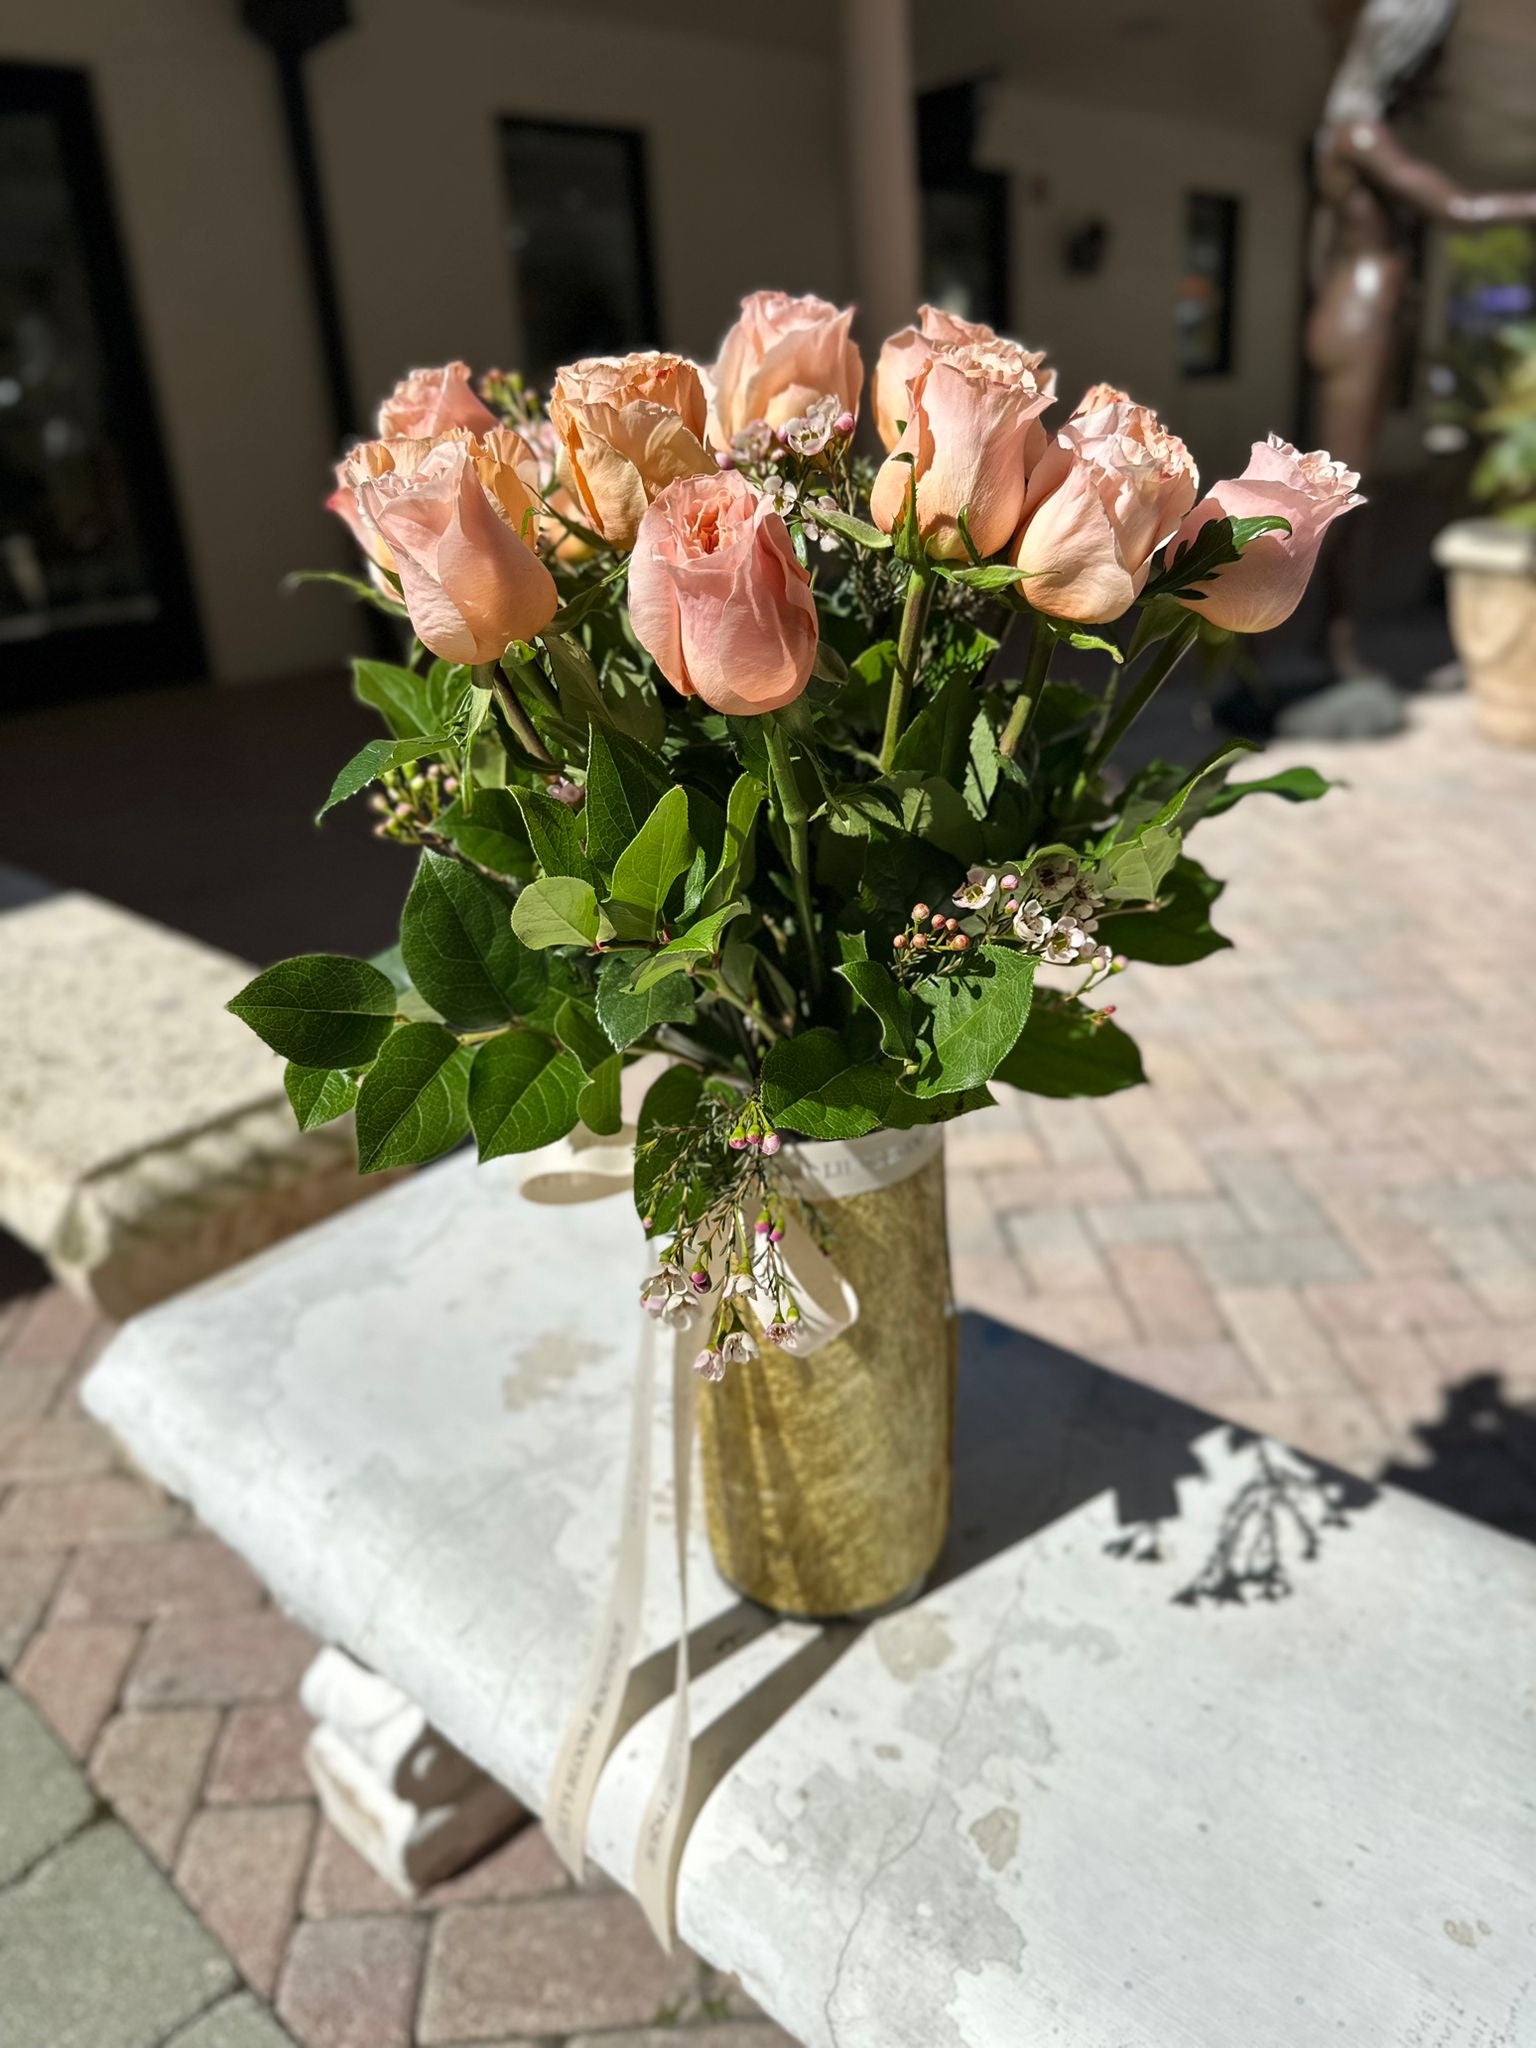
(1372, 188)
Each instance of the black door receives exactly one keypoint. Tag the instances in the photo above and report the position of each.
(94, 591)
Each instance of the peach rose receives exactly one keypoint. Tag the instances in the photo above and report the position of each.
(625, 427)
(968, 434)
(430, 402)
(1109, 489)
(780, 357)
(452, 515)
(904, 354)
(718, 599)
(1265, 587)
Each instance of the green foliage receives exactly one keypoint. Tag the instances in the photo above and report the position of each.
(662, 1137)
(457, 942)
(628, 1014)
(1297, 785)
(320, 1009)
(1180, 930)
(376, 759)
(411, 704)
(1217, 544)
(318, 1095)
(523, 1093)
(973, 1021)
(624, 786)
(412, 1104)
(690, 949)
(557, 910)
(1067, 1050)
(494, 836)
(652, 861)
(823, 1085)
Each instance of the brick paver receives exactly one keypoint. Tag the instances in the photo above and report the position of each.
(1320, 1221)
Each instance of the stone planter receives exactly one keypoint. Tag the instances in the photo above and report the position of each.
(827, 1477)
(1492, 572)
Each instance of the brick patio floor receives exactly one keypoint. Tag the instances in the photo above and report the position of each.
(1320, 1221)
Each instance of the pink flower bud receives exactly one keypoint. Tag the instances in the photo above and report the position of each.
(724, 459)
(1009, 882)
(775, 1236)
(951, 924)
(771, 1143)
(919, 912)
(762, 1226)
(920, 942)
(937, 920)
(781, 434)
(754, 1138)
(844, 424)
(698, 1280)
(960, 942)
(737, 1142)
(899, 942)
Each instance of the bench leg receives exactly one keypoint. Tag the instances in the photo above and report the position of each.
(412, 1805)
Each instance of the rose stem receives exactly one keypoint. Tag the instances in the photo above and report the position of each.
(792, 810)
(1022, 716)
(514, 714)
(914, 616)
(1151, 681)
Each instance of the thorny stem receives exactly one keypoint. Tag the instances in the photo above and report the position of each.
(793, 811)
(1022, 716)
(1152, 678)
(914, 617)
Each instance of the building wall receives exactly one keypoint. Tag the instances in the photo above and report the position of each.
(405, 106)
(1132, 171)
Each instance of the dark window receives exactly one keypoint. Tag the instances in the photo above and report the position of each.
(1206, 310)
(93, 587)
(964, 210)
(579, 238)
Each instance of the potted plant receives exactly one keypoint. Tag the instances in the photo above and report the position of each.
(712, 743)
(1491, 563)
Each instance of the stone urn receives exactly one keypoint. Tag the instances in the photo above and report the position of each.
(1491, 566)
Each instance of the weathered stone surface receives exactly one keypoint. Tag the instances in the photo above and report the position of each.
(238, 2022)
(149, 1768)
(240, 1867)
(918, 1831)
(352, 1983)
(97, 1951)
(43, 1797)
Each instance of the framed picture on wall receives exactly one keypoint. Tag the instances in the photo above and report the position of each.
(578, 231)
(1205, 312)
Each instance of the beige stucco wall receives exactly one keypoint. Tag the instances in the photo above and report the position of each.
(1132, 171)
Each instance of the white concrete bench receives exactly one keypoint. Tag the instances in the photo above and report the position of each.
(1049, 1802)
(145, 1140)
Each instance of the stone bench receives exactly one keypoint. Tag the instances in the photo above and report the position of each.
(1081, 1792)
(145, 1140)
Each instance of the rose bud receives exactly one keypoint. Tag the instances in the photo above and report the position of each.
(781, 356)
(717, 598)
(627, 426)
(1265, 587)
(970, 409)
(430, 402)
(903, 355)
(1109, 489)
(451, 517)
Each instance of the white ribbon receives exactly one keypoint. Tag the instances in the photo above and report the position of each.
(584, 1169)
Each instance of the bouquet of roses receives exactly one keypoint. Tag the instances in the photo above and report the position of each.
(719, 739)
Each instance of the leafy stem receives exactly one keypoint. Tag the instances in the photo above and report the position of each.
(514, 714)
(914, 617)
(1146, 687)
(792, 810)
(1022, 716)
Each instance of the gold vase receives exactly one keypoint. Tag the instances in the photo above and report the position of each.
(827, 1476)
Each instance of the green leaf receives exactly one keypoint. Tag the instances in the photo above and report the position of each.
(666, 1125)
(992, 576)
(557, 910)
(412, 704)
(690, 948)
(318, 1094)
(1069, 1050)
(581, 699)
(1217, 544)
(975, 1018)
(1180, 930)
(624, 786)
(934, 809)
(879, 991)
(627, 1014)
(659, 852)
(411, 1106)
(982, 766)
(937, 742)
(1297, 785)
(850, 528)
(553, 835)
(374, 760)
(578, 1030)
(496, 837)
(818, 1084)
(736, 859)
(459, 947)
(1093, 643)
(598, 1104)
(365, 593)
(320, 1009)
(1134, 870)
(523, 1093)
